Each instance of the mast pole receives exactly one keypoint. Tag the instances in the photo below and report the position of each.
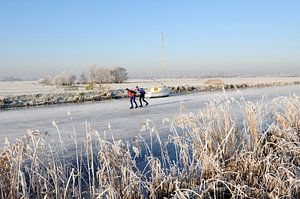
(162, 59)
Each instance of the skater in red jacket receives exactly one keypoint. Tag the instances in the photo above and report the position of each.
(132, 95)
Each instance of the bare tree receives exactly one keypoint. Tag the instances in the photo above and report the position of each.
(107, 75)
(70, 79)
(82, 78)
(93, 73)
(104, 75)
(119, 74)
(100, 76)
(59, 80)
(64, 79)
(46, 80)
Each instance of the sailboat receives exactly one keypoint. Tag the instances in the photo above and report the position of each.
(159, 90)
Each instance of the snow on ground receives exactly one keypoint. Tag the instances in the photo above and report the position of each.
(32, 87)
(125, 123)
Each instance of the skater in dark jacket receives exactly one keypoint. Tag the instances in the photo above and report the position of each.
(132, 95)
(142, 96)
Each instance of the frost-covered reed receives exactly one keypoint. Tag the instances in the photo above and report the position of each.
(214, 153)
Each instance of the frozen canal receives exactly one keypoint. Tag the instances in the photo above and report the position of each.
(125, 123)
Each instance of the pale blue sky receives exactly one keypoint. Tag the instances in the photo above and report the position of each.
(201, 37)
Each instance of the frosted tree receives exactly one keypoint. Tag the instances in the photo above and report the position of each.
(46, 80)
(103, 75)
(119, 74)
(93, 74)
(70, 79)
(64, 79)
(82, 78)
(59, 80)
(107, 75)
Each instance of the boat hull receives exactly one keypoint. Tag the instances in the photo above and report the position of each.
(158, 92)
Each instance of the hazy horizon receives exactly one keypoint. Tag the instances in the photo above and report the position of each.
(201, 37)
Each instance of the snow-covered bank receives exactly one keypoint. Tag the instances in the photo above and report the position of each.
(23, 94)
(57, 98)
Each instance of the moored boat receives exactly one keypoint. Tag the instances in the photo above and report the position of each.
(157, 92)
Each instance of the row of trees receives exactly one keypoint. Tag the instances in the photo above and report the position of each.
(107, 75)
(98, 75)
(62, 79)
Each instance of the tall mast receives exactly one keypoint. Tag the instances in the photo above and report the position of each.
(162, 58)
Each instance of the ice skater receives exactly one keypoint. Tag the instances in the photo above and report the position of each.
(132, 95)
(142, 96)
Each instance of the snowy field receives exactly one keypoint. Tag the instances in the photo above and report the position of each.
(115, 117)
(32, 87)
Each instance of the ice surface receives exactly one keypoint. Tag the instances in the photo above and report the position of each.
(125, 123)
